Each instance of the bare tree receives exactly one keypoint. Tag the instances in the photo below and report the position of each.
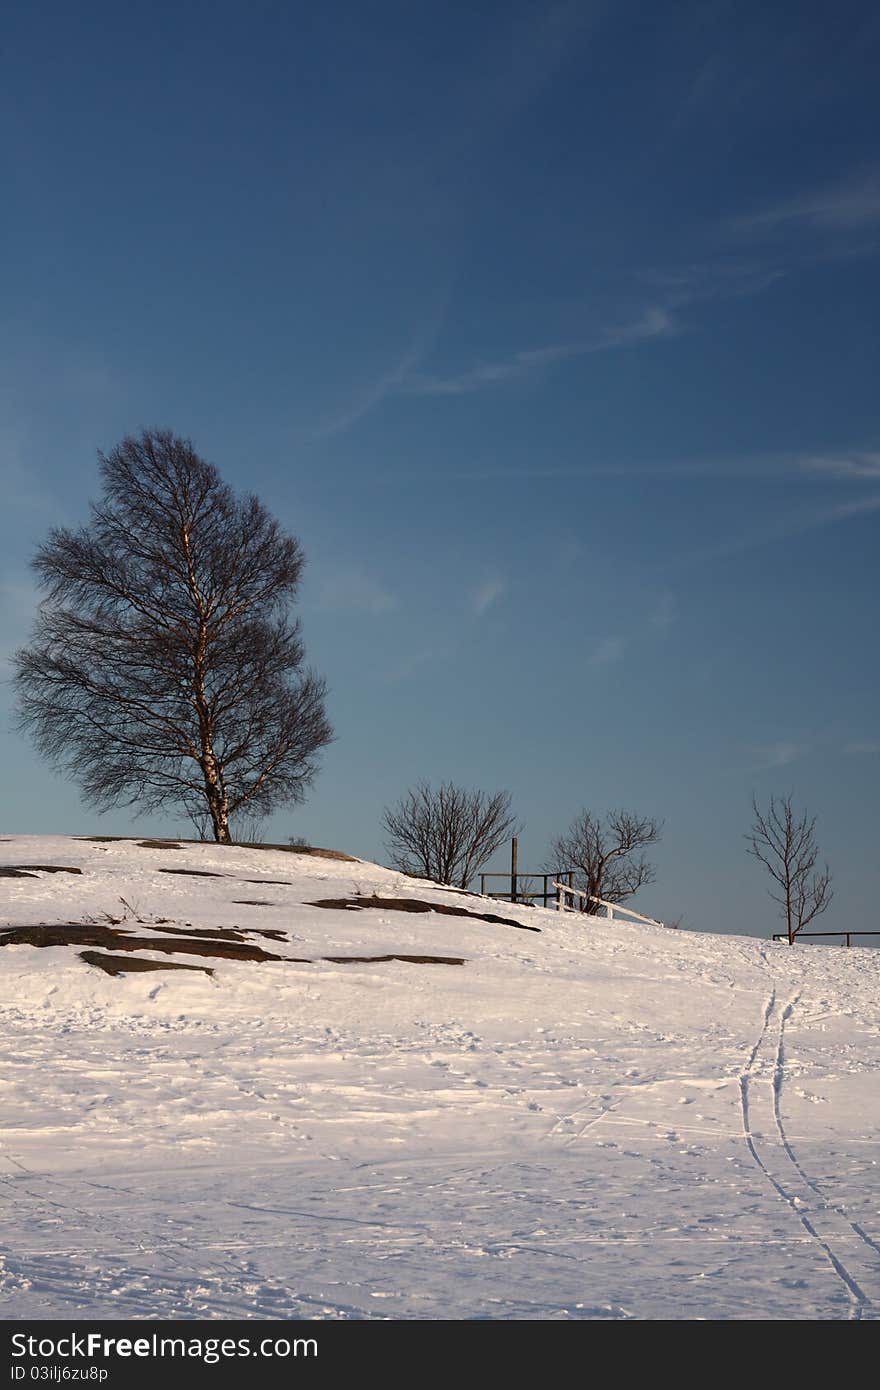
(607, 854)
(785, 843)
(526, 890)
(164, 667)
(445, 835)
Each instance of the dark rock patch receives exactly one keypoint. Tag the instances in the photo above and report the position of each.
(222, 933)
(308, 849)
(212, 933)
(212, 873)
(160, 844)
(224, 945)
(417, 905)
(253, 902)
(123, 965)
(284, 881)
(31, 870)
(410, 960)
(194, 873)
(82, 934)
(95, 934)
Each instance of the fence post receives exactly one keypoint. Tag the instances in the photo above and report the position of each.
(514, 844)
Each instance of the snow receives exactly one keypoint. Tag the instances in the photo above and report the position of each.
(597, 1120)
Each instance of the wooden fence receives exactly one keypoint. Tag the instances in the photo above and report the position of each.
(518, 894)
(565, 890)
(783, 935)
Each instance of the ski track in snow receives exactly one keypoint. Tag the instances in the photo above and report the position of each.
(824, 1222)
(600, 1121)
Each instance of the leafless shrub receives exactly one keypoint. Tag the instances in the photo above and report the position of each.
(248, 830)
(447, 833)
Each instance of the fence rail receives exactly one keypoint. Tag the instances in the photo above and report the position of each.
(547, 894)
(783, 935)
(565, 890)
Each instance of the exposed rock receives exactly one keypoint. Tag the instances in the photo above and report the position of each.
(123, 965)
(194, 873)
(31, 870)
(417, 905)
(411, 960)
(95, 934)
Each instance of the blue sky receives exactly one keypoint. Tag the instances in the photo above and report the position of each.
(550, 329)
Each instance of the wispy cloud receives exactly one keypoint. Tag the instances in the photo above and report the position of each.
(862, 747)
(860, 467)
(389, 383)
(393, 380)
(486, 594)
(413, 662)
(673, 289)
(654, 322)
(18, 605)
(796, 525)
(723, 276)
(19, 598)
(857, 465)
(850, 206)
(524, 55)
(778, 754)
(663, 614)
(351, 590)
(364, 401)
(20, 485)
(608, 652)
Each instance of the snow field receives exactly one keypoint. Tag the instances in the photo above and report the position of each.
(593, 1120)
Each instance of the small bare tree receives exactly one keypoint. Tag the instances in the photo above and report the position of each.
(785, 843)
(445, 835)
(607, 854)
(165, 667)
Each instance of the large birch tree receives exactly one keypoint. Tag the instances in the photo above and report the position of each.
(165, 667)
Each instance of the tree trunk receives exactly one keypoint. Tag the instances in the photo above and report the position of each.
(215, 795)
(215, 790)
(788, 908)
(220, 822)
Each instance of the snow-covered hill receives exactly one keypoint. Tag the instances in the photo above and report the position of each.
(585, 1119)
